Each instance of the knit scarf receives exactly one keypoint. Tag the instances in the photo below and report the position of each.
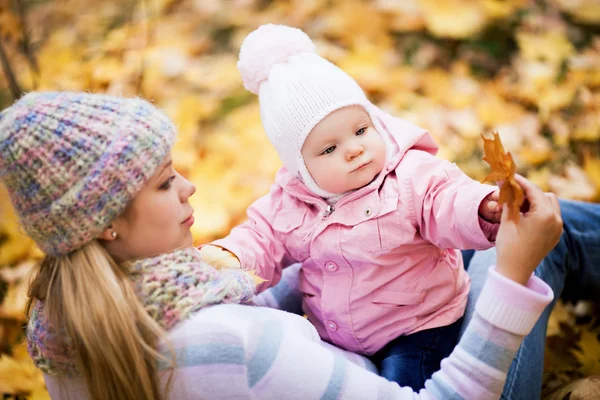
(171, 287)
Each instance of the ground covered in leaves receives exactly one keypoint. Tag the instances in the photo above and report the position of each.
(527, 69)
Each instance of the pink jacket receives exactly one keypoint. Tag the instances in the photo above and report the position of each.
(382, 263)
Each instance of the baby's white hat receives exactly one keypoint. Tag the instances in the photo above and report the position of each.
(296, 89)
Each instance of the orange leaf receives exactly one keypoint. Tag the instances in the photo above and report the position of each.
(503, 170)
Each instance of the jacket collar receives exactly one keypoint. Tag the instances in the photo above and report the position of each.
(402, 135)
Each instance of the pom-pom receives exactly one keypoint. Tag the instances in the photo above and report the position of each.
(266, 46)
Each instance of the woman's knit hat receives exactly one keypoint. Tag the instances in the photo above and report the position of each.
(297, 89)
(72, 162)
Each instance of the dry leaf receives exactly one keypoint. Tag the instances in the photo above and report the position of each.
(503, 170)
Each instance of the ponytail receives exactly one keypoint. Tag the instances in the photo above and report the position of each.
(113, 338)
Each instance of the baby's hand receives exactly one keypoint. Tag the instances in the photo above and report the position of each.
(218, 257)
(490, 209)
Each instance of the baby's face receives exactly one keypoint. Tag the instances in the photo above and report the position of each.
(344, 152)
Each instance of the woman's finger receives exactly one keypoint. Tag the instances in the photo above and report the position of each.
(504, 218)
(554, 202)
(532, 192)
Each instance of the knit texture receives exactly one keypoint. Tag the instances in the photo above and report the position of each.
(296, 89)
(171, 287)
(73, 161)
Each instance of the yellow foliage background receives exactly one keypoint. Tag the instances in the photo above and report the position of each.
(528, 69)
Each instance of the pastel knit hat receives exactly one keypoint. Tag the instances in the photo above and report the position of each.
(296, 88)
(73, 161)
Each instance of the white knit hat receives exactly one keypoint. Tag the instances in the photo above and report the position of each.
(296, 89)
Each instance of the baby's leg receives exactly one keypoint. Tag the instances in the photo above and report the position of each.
(411, 360)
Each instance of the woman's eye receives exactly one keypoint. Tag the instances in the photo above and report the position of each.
(361, 131)
(329, 150)
(167, 183)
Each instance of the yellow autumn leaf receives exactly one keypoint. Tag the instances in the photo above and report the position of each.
(589, 355)
(586, 126)
(367, 64)
(464, 91)
(432, 62)
(219, 258)
(406, 15)
(503, 169)
(502, 8)
(537, 151)
(453, 18)
(354, 21)
(556, 96)
(216, 73)
(573, 185)
(16, 244)
(549, 46)
(493, 109)
(591, 167)
(541, 177)
(585, 66)
(586, 11)
(20, 377)
(466, 122)
(105, 70)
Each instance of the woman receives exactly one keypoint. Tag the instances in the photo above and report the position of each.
(570, 269)
(91, 179)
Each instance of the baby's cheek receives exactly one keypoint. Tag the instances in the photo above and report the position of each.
(331, 182)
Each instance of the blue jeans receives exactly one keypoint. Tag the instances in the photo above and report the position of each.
(410, 360)
(571, 269)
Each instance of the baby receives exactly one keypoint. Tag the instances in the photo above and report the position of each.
(364, 205)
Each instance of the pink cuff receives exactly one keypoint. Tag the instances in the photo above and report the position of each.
(510, 306)
(489, 229)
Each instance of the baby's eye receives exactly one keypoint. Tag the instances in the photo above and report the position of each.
(329, 150)
(361, 131)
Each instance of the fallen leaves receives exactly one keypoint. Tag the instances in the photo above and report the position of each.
(18, 376)
(455, 67)
(572, 353)
(503, 170)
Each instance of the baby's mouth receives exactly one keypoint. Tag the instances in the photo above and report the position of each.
(361, 166)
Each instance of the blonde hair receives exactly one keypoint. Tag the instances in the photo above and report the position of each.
(113, 338)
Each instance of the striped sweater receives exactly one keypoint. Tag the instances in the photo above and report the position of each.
(244, 352)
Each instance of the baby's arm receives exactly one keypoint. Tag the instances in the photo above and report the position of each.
(446, 202)
(254, 245)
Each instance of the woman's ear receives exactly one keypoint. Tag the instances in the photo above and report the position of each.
(108, 234)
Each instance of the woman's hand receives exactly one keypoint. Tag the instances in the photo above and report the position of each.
(522, 246)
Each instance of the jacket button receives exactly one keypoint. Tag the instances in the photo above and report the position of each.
(331, 266)
(368, 212)
(332, 326)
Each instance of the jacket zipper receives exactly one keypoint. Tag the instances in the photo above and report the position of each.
(330, 209)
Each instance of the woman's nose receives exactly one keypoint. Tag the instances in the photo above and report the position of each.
(189, 190)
